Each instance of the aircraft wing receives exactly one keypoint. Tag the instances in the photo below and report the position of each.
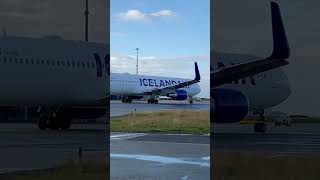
(281, 52)
(170, 89)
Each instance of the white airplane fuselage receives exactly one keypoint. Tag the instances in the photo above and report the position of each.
(136, 85)
(51, 72)
(263, 90)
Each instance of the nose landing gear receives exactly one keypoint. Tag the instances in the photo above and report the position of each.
(153, 101)
(54, 120)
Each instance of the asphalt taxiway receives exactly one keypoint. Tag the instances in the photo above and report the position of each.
(155, 156)
(117, 108)
(300, 138)
(25, 147)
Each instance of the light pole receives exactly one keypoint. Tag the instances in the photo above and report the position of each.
(86, 14)
(137, 66)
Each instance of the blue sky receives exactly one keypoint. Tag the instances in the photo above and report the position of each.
(171, 34)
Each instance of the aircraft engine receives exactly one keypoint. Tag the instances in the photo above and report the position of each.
(228, 106)
(179, 95)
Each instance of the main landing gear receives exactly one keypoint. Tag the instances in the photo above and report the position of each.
(126, 100)
(153, 101)
(260, 127)
(54, 119)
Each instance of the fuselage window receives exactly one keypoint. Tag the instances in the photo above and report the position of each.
(31, 60)
(68, 63)
(78, 64)
(83, 65)
(21, 60)
(10, 60)
(5, 60)
(48, 62)
(42, 61)
(53, 62)
(58, 63)
(27, 61)
(243, 81)
(16, 60)
(62, 63)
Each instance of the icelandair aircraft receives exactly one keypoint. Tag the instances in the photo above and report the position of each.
(61, 79)
(240, 87)
(131, 86)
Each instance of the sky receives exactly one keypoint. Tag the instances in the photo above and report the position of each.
(171, 36)
(245, 27)
(38, 18)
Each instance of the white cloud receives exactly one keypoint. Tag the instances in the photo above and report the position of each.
(134, 15)
(119, 34)
(174, 67)
(163, 13)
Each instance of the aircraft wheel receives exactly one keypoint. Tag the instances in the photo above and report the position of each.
(260, 127)
(65, 123)
(42, 122)
(54, 123)
(156, 101)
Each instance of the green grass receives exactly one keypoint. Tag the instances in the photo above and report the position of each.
(69, 171)
(264, 166)
(185, 122)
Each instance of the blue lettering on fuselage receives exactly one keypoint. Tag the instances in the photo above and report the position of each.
(158, 83)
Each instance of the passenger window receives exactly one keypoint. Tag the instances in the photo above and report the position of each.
(243, 81)
(31, 61)
(53, 62)
(16, 60)
(5, 60)
(73, 64)
(88, 65)
(78, 64)
(253, 81)
(62, 63)
(42, 61)
(10, 60)
(37, 61)
(27, 61)
(68, 63)
(58, 63)
(48, 62)
(21, 60)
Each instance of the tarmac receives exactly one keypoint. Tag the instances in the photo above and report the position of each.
(117, 108)
(25, 147)
(159, 156)
(302, 138)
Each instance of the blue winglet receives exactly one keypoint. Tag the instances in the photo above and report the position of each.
(197, 78)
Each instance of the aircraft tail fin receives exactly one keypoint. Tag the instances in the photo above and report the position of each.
(281, 48)
(197, 74)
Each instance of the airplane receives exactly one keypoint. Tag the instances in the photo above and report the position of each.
(59, 79)
(239, 87)
(131, 86)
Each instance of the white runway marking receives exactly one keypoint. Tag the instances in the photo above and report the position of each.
(126, 136)
(203, 162)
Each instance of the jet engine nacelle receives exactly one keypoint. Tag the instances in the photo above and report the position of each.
(179, 95)
(228, 106)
